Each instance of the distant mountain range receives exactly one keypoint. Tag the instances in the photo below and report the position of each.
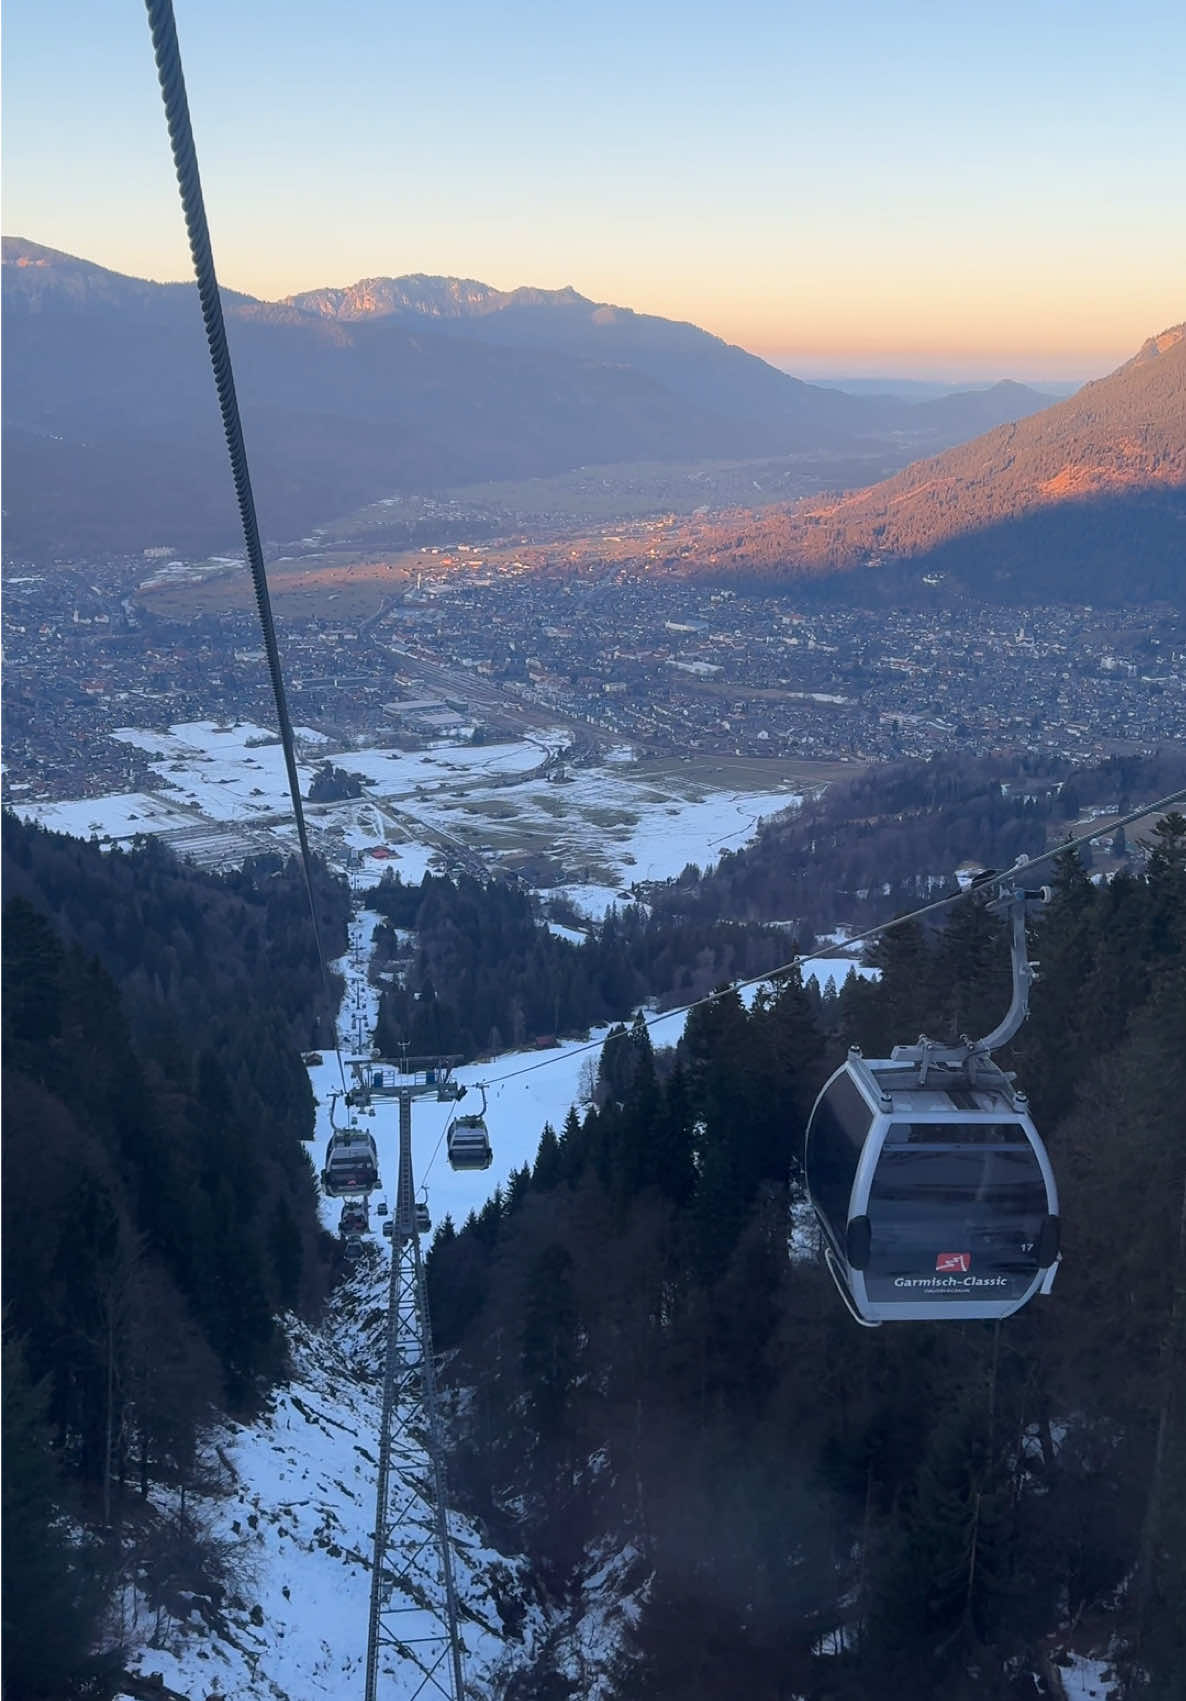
(111, 435)
(930, 389)
(1084, 501)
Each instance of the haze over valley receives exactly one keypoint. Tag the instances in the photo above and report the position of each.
(393, 387)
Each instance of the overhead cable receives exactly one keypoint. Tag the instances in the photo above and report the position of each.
(1023, 866)
(185, 160)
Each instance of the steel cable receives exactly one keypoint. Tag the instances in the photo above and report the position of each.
(181, 139)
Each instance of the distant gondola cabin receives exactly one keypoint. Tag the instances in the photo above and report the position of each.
(354, 1218)
(351, 1163)
(469, 1144)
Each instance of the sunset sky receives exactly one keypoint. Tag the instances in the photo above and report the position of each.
(856, 186)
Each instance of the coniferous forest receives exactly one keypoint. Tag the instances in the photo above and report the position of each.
(474, 971)
(646, 1355)
(159, 1209)
(825, 1511)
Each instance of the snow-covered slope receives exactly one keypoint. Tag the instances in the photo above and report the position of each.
(296, 1514)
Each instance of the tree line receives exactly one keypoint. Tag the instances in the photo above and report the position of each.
(892, 837)
(159, 1209)
(475, 969)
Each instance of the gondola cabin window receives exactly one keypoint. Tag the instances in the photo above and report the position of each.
(840, 1127)
(952, 1205)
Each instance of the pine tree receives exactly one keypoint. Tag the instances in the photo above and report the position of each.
(285, 1256)
(668, 1159)
(546, 1172)
(1167, 886)
(548, 1349)
(32, 986)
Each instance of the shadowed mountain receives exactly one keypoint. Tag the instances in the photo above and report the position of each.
(965, 413)
(1086, 500)
(106, 372)
(112, 438)
(687, 361)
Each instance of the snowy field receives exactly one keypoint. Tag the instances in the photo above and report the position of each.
(120, 815)
(1087, 1679)
(226, 773)
(602, 829)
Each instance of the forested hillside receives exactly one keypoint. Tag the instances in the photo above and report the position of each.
(1085, 502)
(808, 1510)
(894, 836)
(823, 1511)
(159, 1210)
(470, 967)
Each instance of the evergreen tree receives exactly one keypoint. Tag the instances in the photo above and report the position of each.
(546, 1170)
(548, 1352)
(53, 1587)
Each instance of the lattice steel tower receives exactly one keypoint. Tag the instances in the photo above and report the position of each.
(413, 1614)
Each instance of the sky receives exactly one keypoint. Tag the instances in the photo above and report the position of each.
(921, 187)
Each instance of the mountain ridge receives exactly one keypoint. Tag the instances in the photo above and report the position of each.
(388, 386)
(1118, 443)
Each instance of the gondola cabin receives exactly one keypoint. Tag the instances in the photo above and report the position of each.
(351, 1163)
(423, 1220)
(354, 1218)
(933, 1191)
(469, 1144)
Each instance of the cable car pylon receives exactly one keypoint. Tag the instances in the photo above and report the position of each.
(413, 1607)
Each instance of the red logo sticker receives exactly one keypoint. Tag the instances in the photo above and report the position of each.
(954, 1261)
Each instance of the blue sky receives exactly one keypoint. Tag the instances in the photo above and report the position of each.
(868, 185)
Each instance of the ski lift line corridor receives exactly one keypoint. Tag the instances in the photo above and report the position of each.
(409, 1402)
(352, 1163)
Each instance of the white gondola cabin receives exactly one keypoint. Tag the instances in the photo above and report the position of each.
(930, 1183)
(351, 1163)
(936, 1200)
(354, 1218)
(469, 1144)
